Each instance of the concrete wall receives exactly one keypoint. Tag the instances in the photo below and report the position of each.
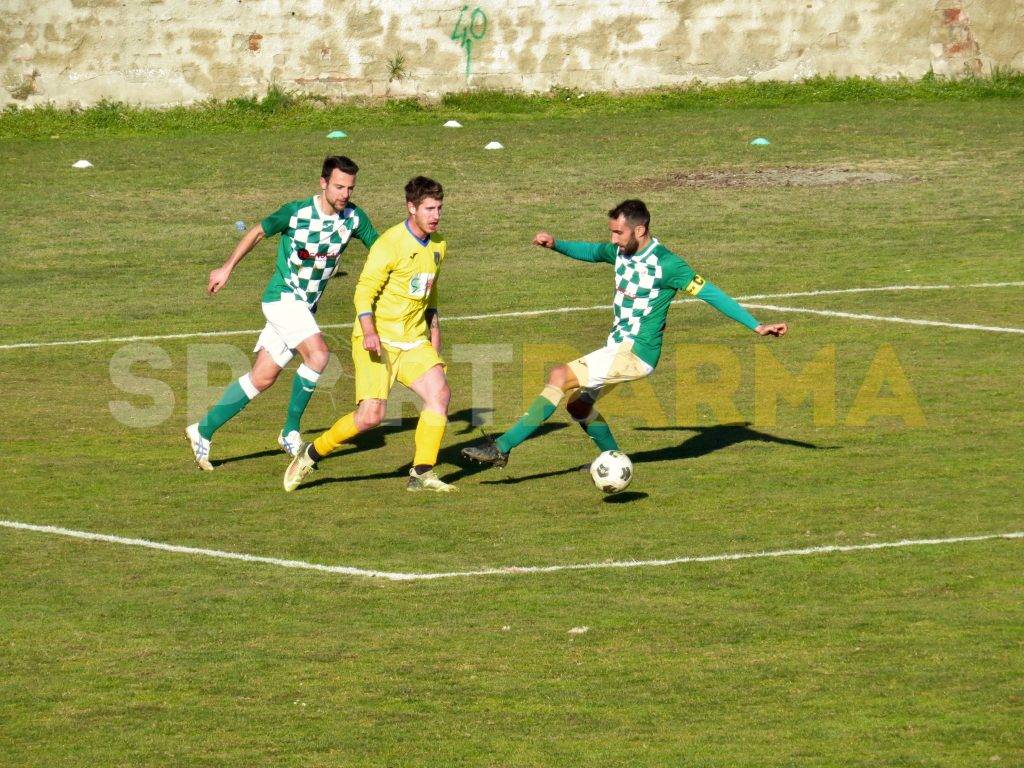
(162, 52)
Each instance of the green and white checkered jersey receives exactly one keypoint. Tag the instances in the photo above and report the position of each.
(311, 247)
(645, 285)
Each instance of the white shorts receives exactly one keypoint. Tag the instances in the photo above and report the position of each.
(289, 323)
(599, 371)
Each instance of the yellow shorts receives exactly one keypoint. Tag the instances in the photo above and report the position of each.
(375, 376)
(602, 369)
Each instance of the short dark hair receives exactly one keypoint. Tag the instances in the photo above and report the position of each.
(420, 188)
(634, 211)
(341, 163)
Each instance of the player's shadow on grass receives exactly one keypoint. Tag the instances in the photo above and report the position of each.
(246, 457)
(714, 438)
(707, 440)
(375, 438)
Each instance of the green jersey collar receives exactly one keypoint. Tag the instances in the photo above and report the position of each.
(643, 254)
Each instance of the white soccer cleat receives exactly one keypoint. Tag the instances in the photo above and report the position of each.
(200, 447)
(290, 443)
(301, 466)
(428, 481)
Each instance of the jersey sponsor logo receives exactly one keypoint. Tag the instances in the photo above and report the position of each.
(319, 259)
(420, 284)
(632, 294)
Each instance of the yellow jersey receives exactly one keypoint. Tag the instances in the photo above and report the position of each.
(398, 285)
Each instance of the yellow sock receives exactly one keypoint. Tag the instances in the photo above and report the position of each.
(342, 430)
(429, 433)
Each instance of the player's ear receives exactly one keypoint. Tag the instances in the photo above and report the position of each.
(411, 207)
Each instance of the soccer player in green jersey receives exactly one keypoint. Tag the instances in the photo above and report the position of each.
(314, 234)
(647, 277)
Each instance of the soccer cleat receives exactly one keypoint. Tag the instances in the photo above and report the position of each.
(301, 466)
(486, 452)
(200, 447)
(290, 443)
(428, 481)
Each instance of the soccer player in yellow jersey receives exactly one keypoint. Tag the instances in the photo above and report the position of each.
(397, 337)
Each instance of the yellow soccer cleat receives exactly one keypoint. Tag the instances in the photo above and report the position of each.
(428, 481)
(301, 466)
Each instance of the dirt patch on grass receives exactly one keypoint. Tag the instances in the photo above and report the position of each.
(784, 176)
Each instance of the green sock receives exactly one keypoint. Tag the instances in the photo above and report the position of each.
(600, 433)
(302, 389)
(540, 410)
(235, 398)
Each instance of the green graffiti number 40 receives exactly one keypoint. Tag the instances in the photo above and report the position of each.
(468, 33)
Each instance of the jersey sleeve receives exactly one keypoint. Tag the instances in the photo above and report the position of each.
(378, 266)
(366, 233)
(724, 303)
(680, 276)
(581, 251)
(278, 221)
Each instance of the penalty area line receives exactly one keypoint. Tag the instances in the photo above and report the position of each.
(520, 313)
(347, 570)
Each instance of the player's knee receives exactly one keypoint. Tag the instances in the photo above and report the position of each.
(442, 397)
(317, 358)
(263, 379)
(369, 414)
(559, 376)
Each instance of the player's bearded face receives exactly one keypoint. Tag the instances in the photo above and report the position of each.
(427, 215)
(338, 189)
(624, 236)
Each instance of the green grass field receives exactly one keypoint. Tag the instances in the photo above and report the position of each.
(122, 656)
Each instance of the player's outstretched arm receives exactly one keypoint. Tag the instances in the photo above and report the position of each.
(731, 308)
(219, 277)
(574, 249)
(681, 276)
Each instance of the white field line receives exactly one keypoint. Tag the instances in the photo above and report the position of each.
(498, 315)
(885, 318)
(507, 571)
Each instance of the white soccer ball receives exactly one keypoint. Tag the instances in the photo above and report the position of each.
(612, 471)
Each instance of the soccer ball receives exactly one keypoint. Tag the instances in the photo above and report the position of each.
(612, 471)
